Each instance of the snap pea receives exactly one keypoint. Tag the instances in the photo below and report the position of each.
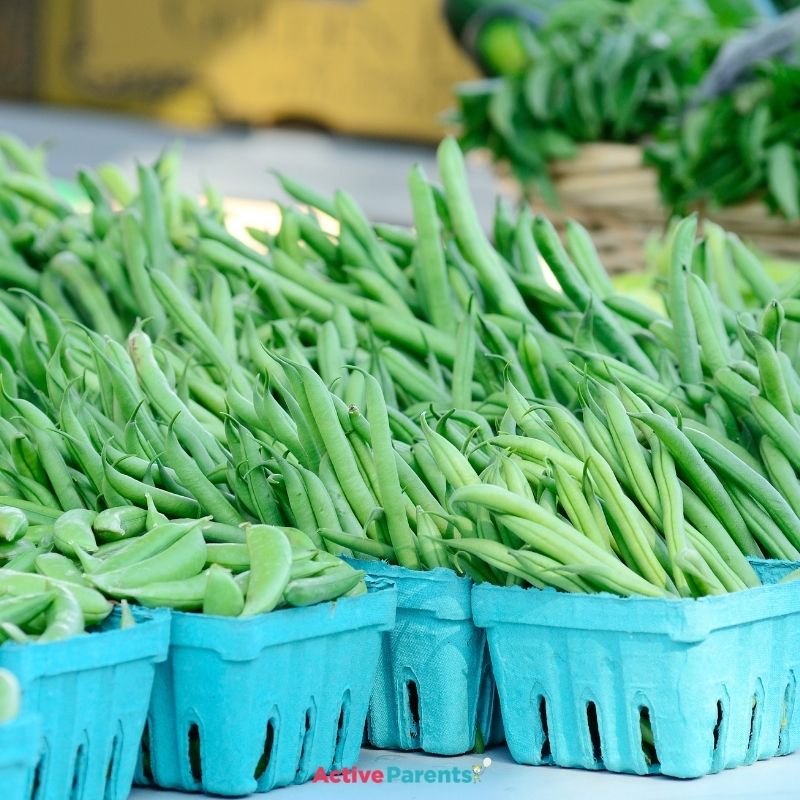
(271, 563)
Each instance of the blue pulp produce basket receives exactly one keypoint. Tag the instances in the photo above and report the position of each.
(245, 705)
(20, 745)
(434, 683)
(91, 693)
(581, 676)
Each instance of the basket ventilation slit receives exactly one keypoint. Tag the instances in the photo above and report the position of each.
(269, 741)
(147, 756)
(752, 739)
(786, 715)
(412, 693)
(195, 758)
(648, 740)
(111, 772)
(76, 789)
(544, 753)
(36, 785)
(718, 726)
(594, 733)
(304, 745)
(341, 730)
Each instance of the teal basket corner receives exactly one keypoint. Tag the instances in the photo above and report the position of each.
(91, 694)
(640, 685)
(248, 705)
(434, 685)
(20, 745)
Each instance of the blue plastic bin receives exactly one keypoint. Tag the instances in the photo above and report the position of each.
(92, 693)
(716, 678)
(246, 705)
(20, 745)
(434, 683)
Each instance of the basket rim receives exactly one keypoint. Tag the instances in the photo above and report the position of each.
(679, 619)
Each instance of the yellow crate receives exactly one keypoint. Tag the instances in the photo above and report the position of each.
(376, 67)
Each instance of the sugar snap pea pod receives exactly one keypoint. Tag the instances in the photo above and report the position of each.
(36, 514)
(388, 481)
(64, 616)
(13, 523)
(330, 585)
(183, 559)
(432, 284)
(9, 696)
(147, 546)
(186, 594)
(217, 533)
(223, 596)
(271, 563)
(54, 565)
(494, 278)
(74, 529)
(358, 544)
(306, 568)
(710, 329)
(234, 557)
(94, 606)
(120, 522)
(703, 479)
(22, 609)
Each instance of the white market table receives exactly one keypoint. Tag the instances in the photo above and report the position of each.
(777, 779)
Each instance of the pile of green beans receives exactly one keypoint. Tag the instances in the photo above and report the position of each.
(251, 412)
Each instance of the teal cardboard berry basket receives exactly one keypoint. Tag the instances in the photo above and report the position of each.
(91, 693)
(20, 745)
(249, 704)
(641, 685)
(434, 687)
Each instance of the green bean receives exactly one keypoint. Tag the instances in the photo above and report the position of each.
(469, 233)
(692, 464)
(388, 480)
(433, 285)
(773, 385)
(708, 324)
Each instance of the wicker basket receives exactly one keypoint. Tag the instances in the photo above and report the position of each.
(608, 190)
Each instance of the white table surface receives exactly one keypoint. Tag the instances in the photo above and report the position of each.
(777, 779)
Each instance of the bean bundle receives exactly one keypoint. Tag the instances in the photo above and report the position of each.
(195, 422)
